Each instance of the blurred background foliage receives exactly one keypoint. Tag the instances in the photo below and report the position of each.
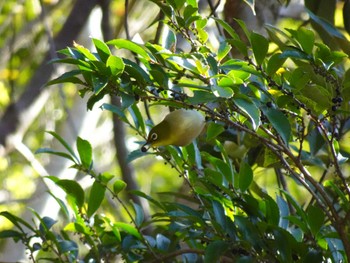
(31, 31)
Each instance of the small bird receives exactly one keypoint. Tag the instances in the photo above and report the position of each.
(179, 128)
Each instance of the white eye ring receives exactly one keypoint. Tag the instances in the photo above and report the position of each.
(154, 136)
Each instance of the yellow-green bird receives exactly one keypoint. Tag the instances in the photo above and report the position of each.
(179, 128)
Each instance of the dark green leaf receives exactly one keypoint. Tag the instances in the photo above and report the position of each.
(245, 176)
(219, 214)
(85, 152)
(227, 28)
(329, 28)
(96, 197)
(279, 122)
(137, 117)
(17, 221)
(260, 46)
(140, 216)
(67, 77)
(68, 246)
(284, 212)
(135, 155)
(11, 234)
(73, 190)
(136, 72)
(46, 223)
(316, 219)
(98, 83)
(214, 251)
(274, 63)
(163, 242)
(272, 211)
(250, 109)
(294, 53)
(116, 110)
(102, 49)
(239, 45)
(213, 130)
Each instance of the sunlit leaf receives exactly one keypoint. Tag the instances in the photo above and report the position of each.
(85, 152)
(96, 196)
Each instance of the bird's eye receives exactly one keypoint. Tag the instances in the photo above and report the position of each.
(154, 136)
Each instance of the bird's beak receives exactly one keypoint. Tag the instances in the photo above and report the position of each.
(145, 147)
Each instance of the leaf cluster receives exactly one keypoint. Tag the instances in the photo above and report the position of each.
(281, 109)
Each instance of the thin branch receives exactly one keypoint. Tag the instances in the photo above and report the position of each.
(126, 25)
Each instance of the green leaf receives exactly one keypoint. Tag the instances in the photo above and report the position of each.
(136, 72)
(135, 155)
(274, 63)
(245, 176)
(67, 246)
(85, 152)
(227, 28)
(223, 92)
(316, 218)
(260, 46)
(61, 204)
(213, 130)
(239, 45)
(17, 221)
(224, 49)
(169, 39)
(140, 216)
(272, 211)
(306, 38)
(219, 214)
(116, 65)
(250, 109)
(98, 83)
(118, 186)
(73, 190)
(137, 117)
(279, 122)
(329, 28)
(11, 234)
(50, 151)
(67, 77)
(132, 46)
(96, 197)
(188, 14)
(64, 144)
(128, 229)
(163, 242)
(102, 49)
(46, 223)
(214, 251)
(116, 110)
